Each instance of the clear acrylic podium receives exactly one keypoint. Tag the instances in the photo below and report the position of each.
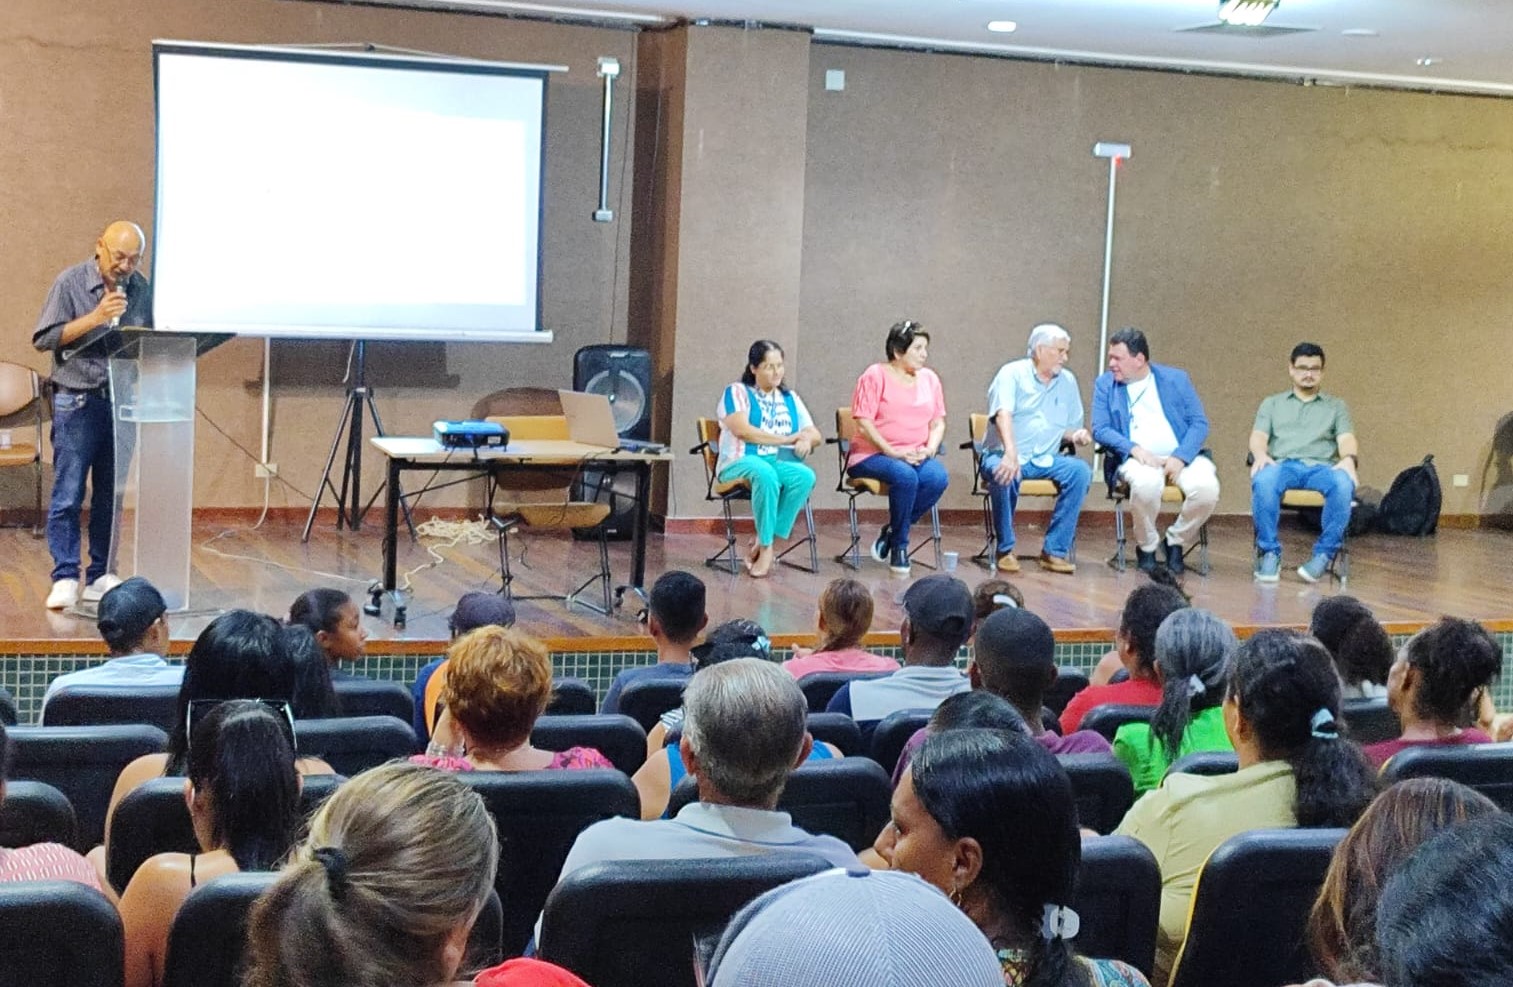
(152, 381)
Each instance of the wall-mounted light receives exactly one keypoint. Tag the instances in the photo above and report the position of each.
(1246, 13)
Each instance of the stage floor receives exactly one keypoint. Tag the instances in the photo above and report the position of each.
(1407, 581)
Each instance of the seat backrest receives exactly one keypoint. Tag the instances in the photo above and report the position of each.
(708, 449)
(18, 387)
(353, 744)
(571, 697)
(847, 799)
(1108, 718)
(1370, 720)
(645, 700)
(90, 705)
(539, 815)
(518, 401)
(820, 687)
(979, 425)
(1069, 682)
(893, 732)
(536, 427)
(34, 812)
(1488, 768)
(1103, 789)
(1118, 899)
(1206, 763)
(632, 923)
(82, 763)
(1250, 909)
(59, 932)
(845, 431)
(535, 486)
(358, 696)
(616, 736)
(7, 708)
(838, 730)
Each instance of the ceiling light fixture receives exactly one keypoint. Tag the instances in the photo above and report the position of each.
(1003, 27)
(1246, 13)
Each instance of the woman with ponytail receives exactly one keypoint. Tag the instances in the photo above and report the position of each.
(1434, 683)
(1282, 713)
(1193, 649)
(243, 795)
(989, 818)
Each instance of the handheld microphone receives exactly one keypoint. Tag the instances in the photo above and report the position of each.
(115, 320)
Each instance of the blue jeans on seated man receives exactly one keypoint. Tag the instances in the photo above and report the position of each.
(1071, 474)
(84, 448)
(1266, 489)
(912, 490)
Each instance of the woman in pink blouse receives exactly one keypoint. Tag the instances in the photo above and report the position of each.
(900, 413)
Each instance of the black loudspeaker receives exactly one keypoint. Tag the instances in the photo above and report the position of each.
(622, 374)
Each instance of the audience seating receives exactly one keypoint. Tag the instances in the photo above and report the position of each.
(352, 744)
(1206, 763)
(1250, 908)
(847, 799)
(819, 687)
(1488, 768)
(571, 697)
(981, 489)
(1069, 682)
(539, 815)
(95, 705)
(7, 708)
(616, 736)
(34, 812)
(893, 732)
(1049, 721)
(854, 487)
(59, 932)
(645, 701)
(1108, 718)
(1103, 789)
(358, 696)
(1370, 720)
(836, 729)
(82, 763)
(633, 923)
(153, 818)
(208, 935)
(729, 558)
(1118, 492)
(1118, 899)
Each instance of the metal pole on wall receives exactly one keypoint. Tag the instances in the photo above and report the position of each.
(609, 71)
(1115, 154)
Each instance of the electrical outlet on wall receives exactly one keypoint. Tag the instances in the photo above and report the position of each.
(1460, 480)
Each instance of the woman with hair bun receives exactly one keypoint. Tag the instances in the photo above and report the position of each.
(845, 617)
(1360, 646)
(1434, 683)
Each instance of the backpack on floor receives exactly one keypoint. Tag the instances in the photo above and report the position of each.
(1411, 505)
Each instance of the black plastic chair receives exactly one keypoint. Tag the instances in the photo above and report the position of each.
(1118, 899)
(632, 923)
(153, 818)
(893, 732)
(1250, 908)
(82, 763)
(7, 708)
(1102, 787)
(572, 697)
(1488, 768)
(353, 744)
(646, 700)
(1206, 763)
(1370, 720)
(819, 687)
(847, 799)
(59, 932)
(836, 729)
(614, 735)
(93, 705)
(35, 812)
(1069, 682)
(1108, 718)
(358, 696)
(1050, 721)
(209, 933)
(539, 815)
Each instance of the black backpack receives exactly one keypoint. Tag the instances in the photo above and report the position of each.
(1411, 506)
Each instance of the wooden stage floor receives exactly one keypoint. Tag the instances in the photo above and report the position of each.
(1406, 581)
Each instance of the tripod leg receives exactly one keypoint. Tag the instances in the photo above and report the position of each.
(325, 476)
(350, 498)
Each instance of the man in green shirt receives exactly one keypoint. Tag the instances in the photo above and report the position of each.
(1302, 439)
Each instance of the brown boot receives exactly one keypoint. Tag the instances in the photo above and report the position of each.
(1054, 563)
(1008, 563)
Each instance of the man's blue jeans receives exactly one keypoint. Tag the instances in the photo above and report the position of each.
(1071, 474)
(912, 490)
(1293, 474)
(84, 448)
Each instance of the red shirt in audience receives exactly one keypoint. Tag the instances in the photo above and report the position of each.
(1380, 751)
(1133, 692)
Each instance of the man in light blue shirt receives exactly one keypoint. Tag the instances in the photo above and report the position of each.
(1033, 408)
(134, 623)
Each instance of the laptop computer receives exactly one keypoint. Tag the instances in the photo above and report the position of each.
(591, 421)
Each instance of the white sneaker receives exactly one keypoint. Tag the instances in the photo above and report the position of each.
(100, 587)
(64, 595)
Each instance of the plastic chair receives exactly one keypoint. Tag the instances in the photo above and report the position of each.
(7, 708)
(1488, 768)
(35, 812)
(96, 705)
(854, 487)
(1118, 898)
(59, 932)
(353, 744)
(1118, 492)
(838, 730)
(978, 422)
(820, 687)
(1108, 718)
(358, 696)
(617, 737)
(82, 763)
(1206, 763)
(893, 732)
(645, 700)
(21, 406)
(1069, 682)
(1296, 499)
(1102, 787)
(1370, 720)
(571, 697)
(729, 559)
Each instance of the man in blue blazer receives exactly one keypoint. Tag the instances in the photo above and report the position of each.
(1151, 424)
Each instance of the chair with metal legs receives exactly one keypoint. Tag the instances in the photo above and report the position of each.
(856, 486)
(1118, 492)
(1298, 499)
(726, 491)
(981, 489)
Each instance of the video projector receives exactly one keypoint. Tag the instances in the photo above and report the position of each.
(471, 434)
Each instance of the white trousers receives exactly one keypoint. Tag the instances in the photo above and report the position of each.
(1199, 483)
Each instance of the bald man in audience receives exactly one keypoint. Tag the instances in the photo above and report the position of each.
(88, 301)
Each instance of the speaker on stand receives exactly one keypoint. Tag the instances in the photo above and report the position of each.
(622, 374)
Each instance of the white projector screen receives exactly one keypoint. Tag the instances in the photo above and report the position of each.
(355, 196)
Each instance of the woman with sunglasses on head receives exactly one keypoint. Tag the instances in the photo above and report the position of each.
(243, 796)
(766, 433)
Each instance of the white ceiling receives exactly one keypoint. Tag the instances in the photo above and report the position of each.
(1471, 39)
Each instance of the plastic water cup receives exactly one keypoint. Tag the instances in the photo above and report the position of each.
(5, 438)
(949, 560)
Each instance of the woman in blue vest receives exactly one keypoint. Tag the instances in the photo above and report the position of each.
(765, 434)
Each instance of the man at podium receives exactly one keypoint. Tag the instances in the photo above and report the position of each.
(88, 301)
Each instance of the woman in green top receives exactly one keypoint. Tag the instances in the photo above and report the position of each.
(1193, 650)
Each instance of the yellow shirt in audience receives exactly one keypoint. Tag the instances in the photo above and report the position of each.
(1186, 819)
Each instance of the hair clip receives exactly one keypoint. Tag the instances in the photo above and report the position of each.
(334, 860)
(1059, 922)
(1323, 725)
(1004, 600)
(1195, 686)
